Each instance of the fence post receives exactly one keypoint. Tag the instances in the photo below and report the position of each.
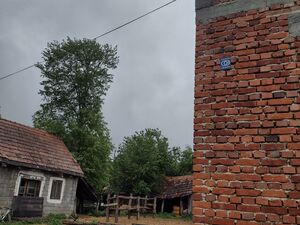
(138, 208)
(181, 207)
(145, 205)
(162, 206)
(129, 206)
(154, 206)
(190, 205)
(107, 207)
(117, 210)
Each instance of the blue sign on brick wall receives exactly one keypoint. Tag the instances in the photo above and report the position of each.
(225, 63)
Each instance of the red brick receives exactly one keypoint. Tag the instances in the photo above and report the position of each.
(249, 208)
(262, 201)
(280, 116)
(281, 101)
(275, 178)
(275, 202)
(289, 170)
(294, 195)
(289, 130)
(273, 162)
(247, 223)
(289, 219)
(274, 193)
(217, 221)
(272, 147)
(234, 215)
(224, 191)
(275, 210)
(249, 177)
(247, 192)
(204, 205)
(223, 147)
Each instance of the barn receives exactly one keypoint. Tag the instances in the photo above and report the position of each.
(38, 174)
(176, 195)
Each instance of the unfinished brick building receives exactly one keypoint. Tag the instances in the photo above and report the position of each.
(247, 112)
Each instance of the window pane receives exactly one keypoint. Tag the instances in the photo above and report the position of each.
(22, 187)
(56, 189)
(30, 188)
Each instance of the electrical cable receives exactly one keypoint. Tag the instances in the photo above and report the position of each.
(106, 33)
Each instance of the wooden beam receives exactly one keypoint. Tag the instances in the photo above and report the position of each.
(162, 206)
(107, 207)
(154, 205)
(117, 210)
(190, 205)
(129, 206)
(138, 208)
(181, 207)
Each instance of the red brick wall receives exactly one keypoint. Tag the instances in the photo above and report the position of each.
(247, 120)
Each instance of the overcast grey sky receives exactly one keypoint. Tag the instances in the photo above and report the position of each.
(153, 85)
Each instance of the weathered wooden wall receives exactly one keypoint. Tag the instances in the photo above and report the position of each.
(8, 177)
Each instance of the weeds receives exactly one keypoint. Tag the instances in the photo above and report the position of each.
(52, 219)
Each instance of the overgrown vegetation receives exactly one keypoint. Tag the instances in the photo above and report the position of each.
(165, 215)
(75, 80)
(52, 219)
(141, 163)
(144, 159)
(180, 161)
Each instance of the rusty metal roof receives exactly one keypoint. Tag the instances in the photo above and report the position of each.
(25, 146)
(179, 186)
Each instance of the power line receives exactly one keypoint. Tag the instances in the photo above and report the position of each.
(19, 71)
(131, 21)
(106, 33)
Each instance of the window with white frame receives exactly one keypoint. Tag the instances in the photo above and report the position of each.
(29, 184)
(56, 190)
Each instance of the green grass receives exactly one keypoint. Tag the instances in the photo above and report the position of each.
(174, 216)
(165, 215)
(99, 213)
(187, 217)
(52, 219)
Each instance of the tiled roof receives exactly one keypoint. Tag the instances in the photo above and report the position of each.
(177, 187)
(21, 145)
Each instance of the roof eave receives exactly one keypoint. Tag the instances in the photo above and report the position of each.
(32, 166)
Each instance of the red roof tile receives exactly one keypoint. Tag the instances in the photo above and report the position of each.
(21, 145)
(179, 186)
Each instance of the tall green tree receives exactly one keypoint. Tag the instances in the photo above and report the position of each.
(180, 161)
(186, 161)
(75, 80)
(141, 163)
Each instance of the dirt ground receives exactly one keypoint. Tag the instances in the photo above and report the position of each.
(145, 221)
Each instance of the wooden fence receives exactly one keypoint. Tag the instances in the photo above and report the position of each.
(118, 203)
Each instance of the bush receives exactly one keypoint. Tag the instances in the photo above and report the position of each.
(97, 213)
(165, 215)
(55, 219)
(52, 219)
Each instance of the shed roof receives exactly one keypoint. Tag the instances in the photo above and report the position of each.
(179, 186)
(22, 145)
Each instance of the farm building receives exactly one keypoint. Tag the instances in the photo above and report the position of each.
(176, 196)
(38, 174)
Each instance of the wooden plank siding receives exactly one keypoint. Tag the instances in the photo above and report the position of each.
(27, 206)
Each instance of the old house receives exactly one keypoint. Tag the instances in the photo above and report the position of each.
(176, 196)
(38, 174)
